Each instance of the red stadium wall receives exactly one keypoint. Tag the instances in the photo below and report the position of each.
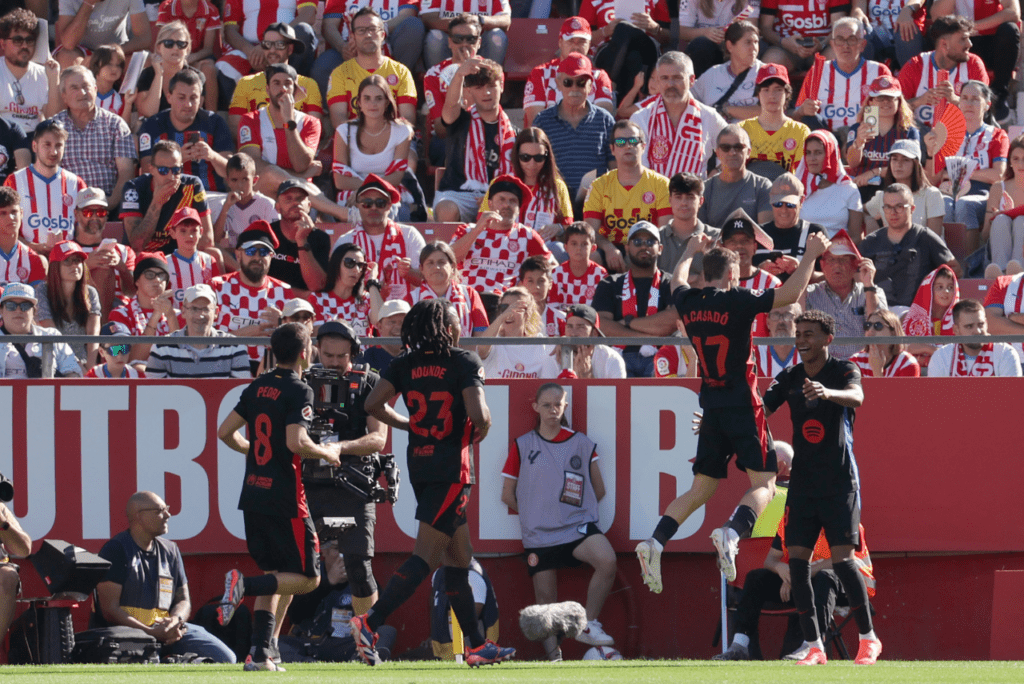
(940, 471)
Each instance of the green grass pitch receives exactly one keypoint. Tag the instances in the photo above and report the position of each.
(633, 671)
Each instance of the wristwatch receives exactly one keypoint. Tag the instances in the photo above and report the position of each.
(373, 283)
(627, 320)
(305, 248)
(291, 125)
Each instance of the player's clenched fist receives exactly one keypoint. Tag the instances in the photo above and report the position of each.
(817, 244)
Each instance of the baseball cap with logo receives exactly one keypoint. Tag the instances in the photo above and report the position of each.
(375, 182)
(644, 226)
(90, 197)
(770, 71)
(64, 249)
(115, 329)
(200, 291)
(908, 148)
(184, 214)
(19, 291)
(885, 85)
(576, 27)
(576, 65)
(842, 245)
(740, 222)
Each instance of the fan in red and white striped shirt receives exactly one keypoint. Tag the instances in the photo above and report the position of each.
(903, 365)
(568, 288)
(328, 306)
(47, 199)
(187, 265)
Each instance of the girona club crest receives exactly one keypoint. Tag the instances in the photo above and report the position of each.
(659, 150)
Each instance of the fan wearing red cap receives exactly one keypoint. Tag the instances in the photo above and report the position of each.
(871, 138)
(394, 247)
(491, 251)
(151, 311)
(542, 88)
(776, 140)
(833, 89)
(848, 292)
(67, 301)
(187, 265)
(151, 200)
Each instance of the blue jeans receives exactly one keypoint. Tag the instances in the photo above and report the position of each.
(638, 366)
(197, 640)
(884, 44)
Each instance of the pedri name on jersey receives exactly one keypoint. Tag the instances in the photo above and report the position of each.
(719, 317)
(269, 393)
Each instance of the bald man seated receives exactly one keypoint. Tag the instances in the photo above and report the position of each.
(146, 587)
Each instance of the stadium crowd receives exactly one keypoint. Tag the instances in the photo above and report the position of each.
(212, 169)
(275, 154)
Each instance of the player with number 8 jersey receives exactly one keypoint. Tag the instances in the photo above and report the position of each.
(718, 322)
(442, 386)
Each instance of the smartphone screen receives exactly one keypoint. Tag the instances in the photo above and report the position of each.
(191, 137)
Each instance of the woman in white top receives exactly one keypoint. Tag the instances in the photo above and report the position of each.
(517, 316)
(741, 43)
(904, 166)
(1004, 216)
(377, 141)
(704, 24)
(832, 200)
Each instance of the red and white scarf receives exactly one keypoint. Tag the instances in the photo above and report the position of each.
(918, 322)
(832, 170)
(629, 303)
(392, 250)
(542, 209)
(456, 295)
(476, 150)
(983, 367)
(679, 149)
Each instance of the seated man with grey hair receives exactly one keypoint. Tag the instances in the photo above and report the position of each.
(839, 83)
(787, 230)
(735, 187)
(99, 149)
(681, 132)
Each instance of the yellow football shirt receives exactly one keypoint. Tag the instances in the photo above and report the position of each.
(345, 80)
(785, 146)
(618, 208)
(251, 94)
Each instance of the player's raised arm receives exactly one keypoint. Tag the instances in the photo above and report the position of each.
(377, 406)
(698, 243)
(791, 290)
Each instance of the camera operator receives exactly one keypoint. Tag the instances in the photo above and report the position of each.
(13, 540)
(360, 435)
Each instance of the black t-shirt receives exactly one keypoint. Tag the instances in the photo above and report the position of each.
(148, 579)
(440, 431)
(718, 323)
(608, 296)
(138, 195)
(455, 151)
(285, 264)
(147, 76)
(902, 267)
(355, 426)
(790, 241)
(823, 463)
(273, 480)
(11, 138)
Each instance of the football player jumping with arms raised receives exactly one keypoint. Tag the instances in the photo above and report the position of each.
(718, 321)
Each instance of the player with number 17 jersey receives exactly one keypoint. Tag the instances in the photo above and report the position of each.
(440, 431)
(718, 323)
(273, 476)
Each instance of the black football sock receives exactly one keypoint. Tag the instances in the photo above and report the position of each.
(803, 598)
(460, 594)
(666, 529)
(262, 631)
(742, 521)
(856, 593)
(260, 585)
(401, 587)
